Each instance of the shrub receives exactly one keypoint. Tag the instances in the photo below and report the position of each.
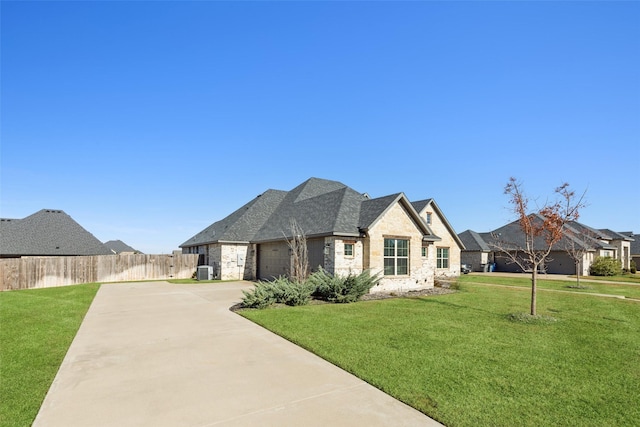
(261, 296)
(633, 268)
(341, 289)
(280, 290)
(605, 266)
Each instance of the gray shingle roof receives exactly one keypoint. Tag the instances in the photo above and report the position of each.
(47, 232)
(635, 244)
(320, 207)
(243, 224)
(372, 209)
(473, 241)
(420, 204)
(577, 234)
(118, 246)
(614, 235)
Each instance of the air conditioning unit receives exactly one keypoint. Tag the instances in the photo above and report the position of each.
(205, 272)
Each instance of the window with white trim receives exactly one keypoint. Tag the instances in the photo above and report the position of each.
(396, 257)
(348, 249)
(442, 258)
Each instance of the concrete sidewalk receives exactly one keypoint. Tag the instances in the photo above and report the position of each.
(158, 354)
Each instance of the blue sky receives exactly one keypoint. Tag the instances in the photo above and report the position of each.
(147, 121)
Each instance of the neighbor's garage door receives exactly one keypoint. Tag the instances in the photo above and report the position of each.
(273, 260)
(561, 263)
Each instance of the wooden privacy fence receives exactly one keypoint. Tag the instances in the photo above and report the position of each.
(45, 272)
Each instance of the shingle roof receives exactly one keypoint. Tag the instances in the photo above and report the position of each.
(421, 204)
(320, 207)
(635, 244)
(577, 235)
(372, 209)
(243, 224)
(473, 241)
(47, 232)
(614, 235)
(118, 246)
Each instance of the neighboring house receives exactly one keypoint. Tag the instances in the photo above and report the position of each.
(634, 247)
(346, 232)
(477, 252)
(47, 232)
(583, 241)
(120, 248)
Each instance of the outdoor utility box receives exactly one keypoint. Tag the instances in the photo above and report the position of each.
(204, 272)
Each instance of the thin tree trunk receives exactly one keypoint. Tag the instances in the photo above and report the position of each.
(534, 283)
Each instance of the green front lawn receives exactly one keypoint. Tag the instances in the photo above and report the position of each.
(459, 359)
(628, 289)
(36, 329)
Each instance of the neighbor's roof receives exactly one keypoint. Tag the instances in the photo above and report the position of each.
(473, 241)
(47, 232)
(118, 246)
(320, 207)
(577, 235)
(613, 235)
(635, 244)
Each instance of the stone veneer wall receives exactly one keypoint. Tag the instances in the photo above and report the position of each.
(398, 224)
(448, 241)
(339, 264)
(236, 262)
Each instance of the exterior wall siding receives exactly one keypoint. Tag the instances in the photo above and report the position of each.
(344, 265)
(448, 241)
(477, 259)
(398, 224)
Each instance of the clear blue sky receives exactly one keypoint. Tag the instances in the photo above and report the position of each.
(147, 121)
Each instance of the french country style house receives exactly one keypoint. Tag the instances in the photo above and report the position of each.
(408, 244)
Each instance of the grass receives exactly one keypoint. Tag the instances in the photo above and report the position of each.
(626, 277)
(36, 329)
(469, 359)
(628, 290)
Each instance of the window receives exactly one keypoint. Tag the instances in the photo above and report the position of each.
(396, 257)
(442, 258)
(424, 251)
(348, 249)
(429, 218)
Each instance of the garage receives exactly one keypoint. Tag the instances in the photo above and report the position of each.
(273, 260)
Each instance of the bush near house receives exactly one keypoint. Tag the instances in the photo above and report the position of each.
(320, 284)
(605, 266)
(278, 291)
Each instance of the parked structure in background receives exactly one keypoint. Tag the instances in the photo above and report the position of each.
(481, 249)
(48, 232)
(346, 232)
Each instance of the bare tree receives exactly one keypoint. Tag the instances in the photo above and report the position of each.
(577, 244)
(299, 253)
(541, 228)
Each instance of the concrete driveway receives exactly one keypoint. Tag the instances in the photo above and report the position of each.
(158, 354)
